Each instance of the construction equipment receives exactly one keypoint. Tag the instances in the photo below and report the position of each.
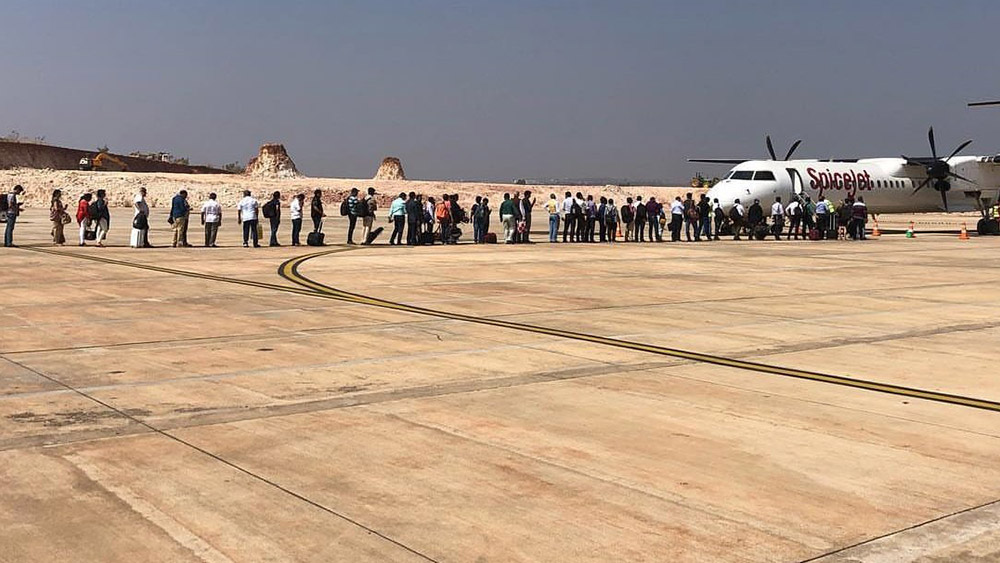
(699, 181)
(106, 162)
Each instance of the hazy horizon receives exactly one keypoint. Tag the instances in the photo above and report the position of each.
(494, 92)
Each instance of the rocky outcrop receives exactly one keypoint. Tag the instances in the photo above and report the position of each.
(272, 162)
(390, 169)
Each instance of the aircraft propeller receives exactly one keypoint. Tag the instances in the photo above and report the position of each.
(938, 170)
(788, 155)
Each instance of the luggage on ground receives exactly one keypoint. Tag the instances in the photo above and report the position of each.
(426, 238)
(760, 232)
(490, 238)
(374, 235)
(814, 234)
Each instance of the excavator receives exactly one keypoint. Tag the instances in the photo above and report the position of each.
(103, 162)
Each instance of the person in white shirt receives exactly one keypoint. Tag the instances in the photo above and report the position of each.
(428, 218)
(778, 217)
(738, 216)
(295, 212)
(140, 221)
(718, 216)
(822, 216)
(794, 213)
(676, 219)
(249, 208)
(211, 218)
(569, 220)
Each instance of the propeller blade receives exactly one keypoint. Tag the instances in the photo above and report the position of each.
(791, 151)
(922, 184)
(963, 178)
(912, 161)
(977, 104)
(770, 147)
(930, 138)
(959, 149)
(944, 199)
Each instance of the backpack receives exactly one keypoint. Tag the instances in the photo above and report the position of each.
(268, 209)
(575, 210)
(4, 203)
(611, 214)
(457, 213)
(361, 209)
(345, 208)
(94, 210)
(692, 213)
(796, 211)
(627, 213)
(734, 214)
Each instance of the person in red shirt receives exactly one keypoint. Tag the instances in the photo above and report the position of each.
(83, 216)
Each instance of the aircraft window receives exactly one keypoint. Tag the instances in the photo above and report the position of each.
(878, 183)
(742, 175)
(764, 175)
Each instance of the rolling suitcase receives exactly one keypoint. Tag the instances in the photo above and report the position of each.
(374, 235)
(760, 232)
(813, 234)
(426, 238)
(831, 229)
(490, 238)
(316, 238)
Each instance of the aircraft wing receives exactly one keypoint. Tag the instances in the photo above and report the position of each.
(732, 161)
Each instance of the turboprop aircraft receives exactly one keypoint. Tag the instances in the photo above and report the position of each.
(888, 185)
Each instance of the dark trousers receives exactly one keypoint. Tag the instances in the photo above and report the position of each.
(527, 229)
(445, 232)
(398, 222)
(275, 222)
(779, 225)
(317, 221)
(8, 233)
(413, 231)
(611, 229)
(676, 223)
(250, 231)
(793, 226)
(603, 236)
(640, 231)
(737, 227)
(569, 229)
(718, 223)
(823, 224)
(352, 221)
(581, 228)
(296, 229)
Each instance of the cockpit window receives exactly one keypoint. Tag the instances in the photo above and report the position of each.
(742, 175)
(764, 175)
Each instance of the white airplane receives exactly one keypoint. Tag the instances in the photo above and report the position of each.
(888, 185)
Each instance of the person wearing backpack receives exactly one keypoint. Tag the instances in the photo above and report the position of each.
(272, 212)
(83, 216)
(704, 225)
(100, 215)
(736, 215)
(442, 213)
(718, 216)
(366, 210)
(611, 220)
(794, 213)
(316, 212)
(627, 218)
(653, 211)
(602, 226)
(351, 205)
(10, 205)
(178, 218)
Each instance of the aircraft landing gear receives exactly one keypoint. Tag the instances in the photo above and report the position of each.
(988, 227)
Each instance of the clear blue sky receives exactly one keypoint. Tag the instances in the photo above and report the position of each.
(501, 89)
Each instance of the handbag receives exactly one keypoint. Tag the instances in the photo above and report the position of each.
(90, 234)
(65, 219)
(140, 222)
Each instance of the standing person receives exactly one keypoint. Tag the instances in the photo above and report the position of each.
(611, 220)
(690, 216)
(397, 216)
(179, 211)
(794, 214)
(552, 207)
(140, 221)
(430, 209)
(569, 220)
(602, 224)
(442, 213)
(366, 210)
(591, 212)
(272, 212)
(57, 210)
(777, 217)
(518, 216)
(295, 213)
(507, 218)
(822, 217)
(704, 218)
(737, 215)
(12, 210)
(718, 215)
(316, 212)
(100, 213)
(527, 205)
(414, 209)
(640, 220)
(581, 218)
(476, 219)
(755, 216)
(83, 216)
(249, 209)
(676, 219)
(487, 211)
(859, 215)
(808, 211)
(627, 217)
(353, 205)
(847, 216)
(211, 219)
(653, 211)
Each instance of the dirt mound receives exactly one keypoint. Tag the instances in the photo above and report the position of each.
(272, 162)
(390, 169)
(29, 155)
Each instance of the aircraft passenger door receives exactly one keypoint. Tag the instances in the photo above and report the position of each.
(797, 185)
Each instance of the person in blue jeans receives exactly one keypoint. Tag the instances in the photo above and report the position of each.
(13, 210)
(552, 207)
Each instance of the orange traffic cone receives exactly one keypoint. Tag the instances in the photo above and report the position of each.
(909, 232)
(619, 229)
(964, 234)
(875, 232)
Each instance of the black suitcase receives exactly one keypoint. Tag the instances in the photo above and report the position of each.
(760, 232)
(426, 238)
(316, 238)
(374, 235)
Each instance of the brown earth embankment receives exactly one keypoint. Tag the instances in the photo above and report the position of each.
(28, 155)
